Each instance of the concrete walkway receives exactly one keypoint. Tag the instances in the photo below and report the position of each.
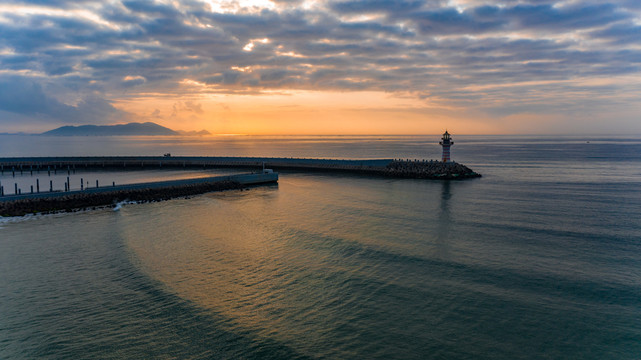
(243, 179)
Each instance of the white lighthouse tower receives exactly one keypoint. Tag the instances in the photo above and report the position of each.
(446, 142)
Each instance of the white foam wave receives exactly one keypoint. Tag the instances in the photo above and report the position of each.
(16, 219)
(121, 203)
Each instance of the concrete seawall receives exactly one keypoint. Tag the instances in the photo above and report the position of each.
(17, 205)
(385, 167)
(62, 163)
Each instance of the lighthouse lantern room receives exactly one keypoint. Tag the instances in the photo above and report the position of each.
(446, 142)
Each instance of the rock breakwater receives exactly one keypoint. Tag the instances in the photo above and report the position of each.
(431, 169)
(76, 201)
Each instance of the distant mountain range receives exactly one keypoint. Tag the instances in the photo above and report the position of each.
(131, 129)
(194, 133)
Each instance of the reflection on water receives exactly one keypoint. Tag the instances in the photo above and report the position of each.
(444, 220)
(68, 290)
(297, 271)
(337, 267)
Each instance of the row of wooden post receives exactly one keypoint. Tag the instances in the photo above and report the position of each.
(55, 170)
(72, 168)
(18, 191)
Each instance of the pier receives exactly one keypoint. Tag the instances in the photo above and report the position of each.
(53, 201)
(16, 201)
(427, 169)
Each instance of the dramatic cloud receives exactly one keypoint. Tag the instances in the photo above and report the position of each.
(22, 96)
(88, 61)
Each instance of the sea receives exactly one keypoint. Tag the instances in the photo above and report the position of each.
(538, 259)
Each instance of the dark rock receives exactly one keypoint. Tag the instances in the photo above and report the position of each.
(429, 170)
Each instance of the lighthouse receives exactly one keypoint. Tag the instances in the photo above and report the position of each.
(446, 142)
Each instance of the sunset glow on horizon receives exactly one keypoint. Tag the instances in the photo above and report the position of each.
(324, 67)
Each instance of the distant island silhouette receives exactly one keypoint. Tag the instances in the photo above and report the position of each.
(131, 129)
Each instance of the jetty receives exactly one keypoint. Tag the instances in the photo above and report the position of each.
(54, 201)
(405, 168)
(35, 200)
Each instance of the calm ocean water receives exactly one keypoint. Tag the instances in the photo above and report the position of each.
(540, 258)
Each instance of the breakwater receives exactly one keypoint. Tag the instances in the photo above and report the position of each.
(22, 204)
(386, 167)
(429, 170)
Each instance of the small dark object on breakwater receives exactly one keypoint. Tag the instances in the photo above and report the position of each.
(429, 170)
(92, 200)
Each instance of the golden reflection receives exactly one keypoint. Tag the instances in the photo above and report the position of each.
(268, 262)
(221, 251)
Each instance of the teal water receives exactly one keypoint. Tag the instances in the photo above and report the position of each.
(540, 258)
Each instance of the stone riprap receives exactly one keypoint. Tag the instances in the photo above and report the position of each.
(429, 170)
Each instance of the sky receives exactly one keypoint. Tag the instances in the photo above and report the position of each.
(324, 67)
